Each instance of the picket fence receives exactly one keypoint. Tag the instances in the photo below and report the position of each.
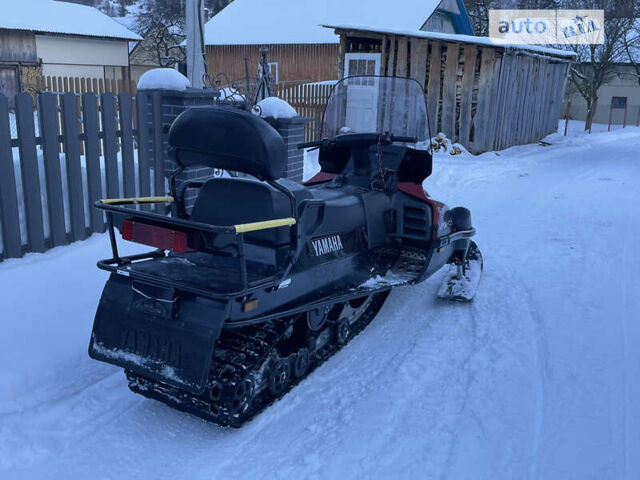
(309, 101)
(79, 141)
(84, 85)
(69, 151)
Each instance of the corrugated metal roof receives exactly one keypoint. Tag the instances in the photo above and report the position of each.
(60, 17)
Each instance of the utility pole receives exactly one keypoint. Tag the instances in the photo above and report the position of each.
(196, 60)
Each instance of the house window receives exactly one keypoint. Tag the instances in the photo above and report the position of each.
(618, 102)
(361, 64)
(273, 69)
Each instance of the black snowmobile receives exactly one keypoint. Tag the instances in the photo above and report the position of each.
(262, 279)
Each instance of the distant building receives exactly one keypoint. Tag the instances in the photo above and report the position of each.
(44, 37)
(300, 49)
(622, 89)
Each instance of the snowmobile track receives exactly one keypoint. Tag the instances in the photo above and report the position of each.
(241, 357)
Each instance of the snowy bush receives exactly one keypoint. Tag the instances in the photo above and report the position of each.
(231, 95)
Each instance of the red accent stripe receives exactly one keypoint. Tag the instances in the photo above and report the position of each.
(320, 177)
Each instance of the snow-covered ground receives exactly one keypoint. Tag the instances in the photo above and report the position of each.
(538, 378)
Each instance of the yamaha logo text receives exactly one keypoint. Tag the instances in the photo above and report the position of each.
(325, 245)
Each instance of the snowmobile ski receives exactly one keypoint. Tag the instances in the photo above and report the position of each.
(462, 279)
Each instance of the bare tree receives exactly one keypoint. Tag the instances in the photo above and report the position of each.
(595, 63)
(478, 11)
(161, 23)
(632, 48)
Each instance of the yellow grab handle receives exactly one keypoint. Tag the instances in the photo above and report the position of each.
(252, 227)
(134, 201)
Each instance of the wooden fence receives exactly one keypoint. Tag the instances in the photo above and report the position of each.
(309, 101)
(70, 150)
(84, 85)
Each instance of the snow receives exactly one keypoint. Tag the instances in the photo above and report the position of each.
(231, 95)
(61, 17)
(536, 378)
(276, 108)
(163, 78)
(378, 281)
(256, 22)
(450, 37)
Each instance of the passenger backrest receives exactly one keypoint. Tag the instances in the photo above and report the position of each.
(231, 201)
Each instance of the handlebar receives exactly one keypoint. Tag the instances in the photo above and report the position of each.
(404, 139)
(372, 138)
(309, 144)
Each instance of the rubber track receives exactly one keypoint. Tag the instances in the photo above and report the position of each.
(237, 355)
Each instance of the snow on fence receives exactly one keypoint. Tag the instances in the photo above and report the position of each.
(69, 150)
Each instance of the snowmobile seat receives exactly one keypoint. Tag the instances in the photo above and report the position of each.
(227, 138)
(230, 201)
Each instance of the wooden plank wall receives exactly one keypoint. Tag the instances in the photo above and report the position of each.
(71, 140)
(485, 98)
(298, 63)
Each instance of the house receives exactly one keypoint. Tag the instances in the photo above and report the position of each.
(619, 98)
(480, 93)
(49, 38)
(300, 49)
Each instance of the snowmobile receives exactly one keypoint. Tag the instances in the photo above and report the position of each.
(261, 279)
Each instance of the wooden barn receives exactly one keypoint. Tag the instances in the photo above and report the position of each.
(300, 50)
(484, 95)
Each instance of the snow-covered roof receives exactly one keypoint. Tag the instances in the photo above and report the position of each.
(454, 37)
(250, 22)
(60, 17)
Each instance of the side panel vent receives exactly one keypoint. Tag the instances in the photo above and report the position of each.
(415, 221)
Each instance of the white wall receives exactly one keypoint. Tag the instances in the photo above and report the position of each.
(138, 70)
(623, 84)
(80, 56)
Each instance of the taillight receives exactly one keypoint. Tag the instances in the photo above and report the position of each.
(158, 237)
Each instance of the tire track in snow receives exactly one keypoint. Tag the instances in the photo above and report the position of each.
(541, 351)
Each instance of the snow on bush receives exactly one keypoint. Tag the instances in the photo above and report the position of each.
(163, 78)
(440, 144)
(231, 95)
(273, 107)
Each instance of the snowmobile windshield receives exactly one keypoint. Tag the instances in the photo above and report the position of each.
(372, 104)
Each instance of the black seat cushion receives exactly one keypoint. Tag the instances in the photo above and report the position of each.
(227, 138)
(231, 201)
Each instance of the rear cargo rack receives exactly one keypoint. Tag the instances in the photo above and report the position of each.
(119, 211)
